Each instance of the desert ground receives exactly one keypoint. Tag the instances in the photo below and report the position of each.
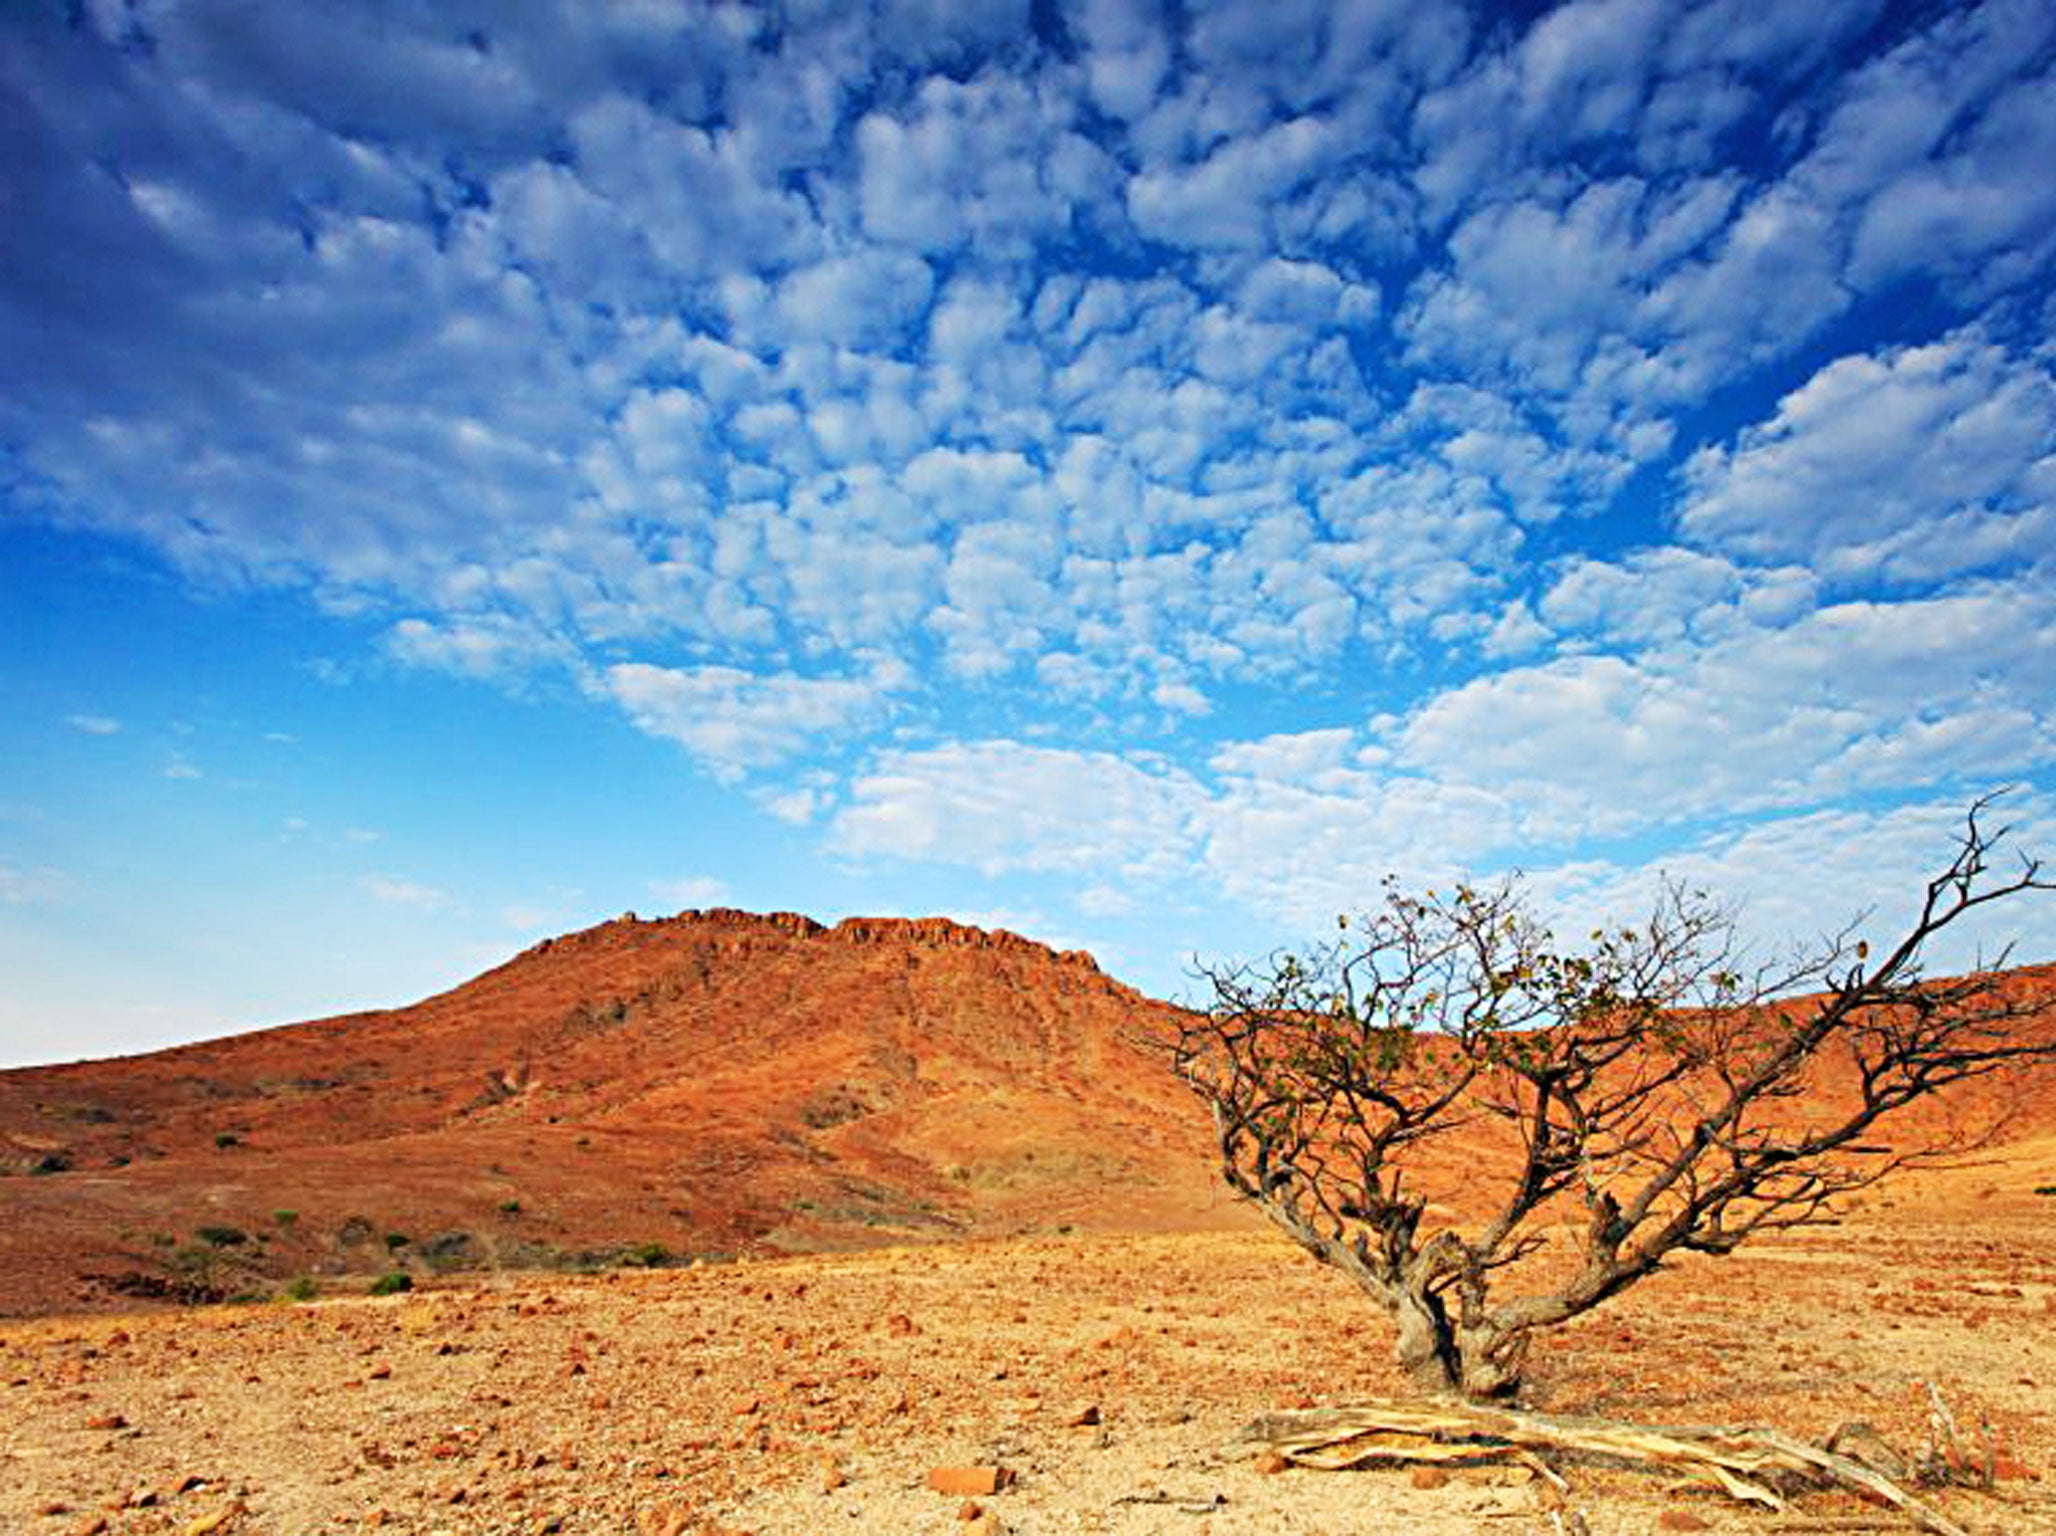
(1109, 1374)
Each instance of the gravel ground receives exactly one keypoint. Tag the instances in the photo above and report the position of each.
(1106, 1374)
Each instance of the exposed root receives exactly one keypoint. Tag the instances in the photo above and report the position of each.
(1755, 1465)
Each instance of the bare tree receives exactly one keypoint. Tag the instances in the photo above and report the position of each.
(1647, 1096)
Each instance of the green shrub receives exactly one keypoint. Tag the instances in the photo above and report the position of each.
(227, 1139)
(510, 1207)
(285, 1219)
(302, 1289)
(390, 1283)
(647, 1255)
(221, 1237)
(395, 1241)
(2045, 1189)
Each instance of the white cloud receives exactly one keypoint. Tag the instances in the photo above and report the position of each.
(93, 725)
(1917, 464)
(1126, 54)
(1222, 201)
(1796, 881)
(732, 720)
(493, 646)
(980, 163)
(1001, 805)
(1848, 698)
(798, 807)
(406, 893)
(1105, 901)
(866, 298)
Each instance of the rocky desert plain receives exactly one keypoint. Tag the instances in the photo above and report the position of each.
(727, 1223)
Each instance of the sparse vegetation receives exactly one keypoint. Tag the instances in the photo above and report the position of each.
(647, 1256)
(392, 1282)
(221, 1236)
(510, 1207)
(1642, 1082)
(2045, 1189)
(395, 1241)
(226, 1139)
(303, 1289)
(286, 1219)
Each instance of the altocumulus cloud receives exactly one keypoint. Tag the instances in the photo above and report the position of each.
(1133, 445)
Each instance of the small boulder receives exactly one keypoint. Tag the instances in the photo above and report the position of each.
(971, 1482)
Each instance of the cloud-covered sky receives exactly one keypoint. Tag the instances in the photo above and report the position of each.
(1133, 474)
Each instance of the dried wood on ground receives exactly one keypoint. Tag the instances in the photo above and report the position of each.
(1745, 1463)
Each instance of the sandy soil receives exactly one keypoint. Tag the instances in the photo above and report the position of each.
(1108, 1373)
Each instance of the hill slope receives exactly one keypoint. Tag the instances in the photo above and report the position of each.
(712, 1083)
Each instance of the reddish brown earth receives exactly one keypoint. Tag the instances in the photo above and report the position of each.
(716, 1083)
(1061, 1289)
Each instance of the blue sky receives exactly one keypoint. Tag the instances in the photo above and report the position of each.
(1132, 475)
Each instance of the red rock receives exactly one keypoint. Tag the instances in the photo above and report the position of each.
(1428, 1477)
(107, 1421)
(1084, 1416)
(970, 1509)
(92, 1525)
(1682, 1520)
(1270, 1463)
(971, 1480)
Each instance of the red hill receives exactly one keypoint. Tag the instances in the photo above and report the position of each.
(712, 1083)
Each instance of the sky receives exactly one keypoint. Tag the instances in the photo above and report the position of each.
(1134, 475)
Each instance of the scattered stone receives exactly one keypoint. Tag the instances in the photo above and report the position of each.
(971, 1481)
(1089, 1414)
(900, 1326)
(1270, 1463)
(207, 1525)
(92, 1525)
(107, 1421)
(970, 1509)
(1682, 1520)
(665, 1521)
(1428, 1477)
(54, 1507)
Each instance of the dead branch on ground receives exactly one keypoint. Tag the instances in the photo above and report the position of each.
(1756, 1465)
